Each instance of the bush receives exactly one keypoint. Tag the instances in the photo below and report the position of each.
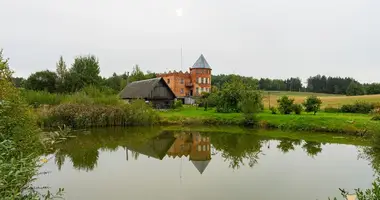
(285, 105)
(19, 140)
(376, 118)
(90, 115)
(273, 110)
(332, 110)
(358, 107)
(297, 108)
(177, 104)
(312, 104)
(250, 106)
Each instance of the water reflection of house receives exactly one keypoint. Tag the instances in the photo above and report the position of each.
(195, 146)
(155, 147)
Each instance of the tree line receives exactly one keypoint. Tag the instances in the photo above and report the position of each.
(86, 71)
(83, 72)
(316, 84)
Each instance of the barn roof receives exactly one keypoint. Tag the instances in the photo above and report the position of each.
(201, 63)
(141, 89)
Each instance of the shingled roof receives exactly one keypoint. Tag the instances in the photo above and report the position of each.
(201, 63)
(141, 89)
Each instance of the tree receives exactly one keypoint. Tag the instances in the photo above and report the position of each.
(18, 81)
(251, 104)
(230, 96)
(285, 105)
(137, 74)
(61, 68)
(84, 71)
(312, 104)
(42, 81)
(355, 89)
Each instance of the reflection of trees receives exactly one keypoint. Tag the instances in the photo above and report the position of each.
(236, 148)
(312, 148)
(286, 145)
(83, 150)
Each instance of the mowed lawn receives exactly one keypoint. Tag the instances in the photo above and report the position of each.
(328, 100)
(329, 122)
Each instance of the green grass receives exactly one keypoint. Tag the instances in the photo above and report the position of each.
(357, 124)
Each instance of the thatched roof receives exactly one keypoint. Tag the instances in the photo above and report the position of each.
(141, 89)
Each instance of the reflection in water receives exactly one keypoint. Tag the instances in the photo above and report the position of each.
(236, 149)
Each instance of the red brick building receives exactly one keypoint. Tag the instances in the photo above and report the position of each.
(192, 83)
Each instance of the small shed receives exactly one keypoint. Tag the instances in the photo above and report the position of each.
(154, 90)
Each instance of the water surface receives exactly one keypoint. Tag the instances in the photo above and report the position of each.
(161, 165)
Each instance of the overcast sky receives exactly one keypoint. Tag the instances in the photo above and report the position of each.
(259, 38)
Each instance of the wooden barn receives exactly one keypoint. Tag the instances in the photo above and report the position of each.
(155, 91)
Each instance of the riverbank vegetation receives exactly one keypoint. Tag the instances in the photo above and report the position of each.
(20, 144)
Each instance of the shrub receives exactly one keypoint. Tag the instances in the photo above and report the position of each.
(19, 140)
(250, 106)
(177, 104)
(312, 104)
(90, 115)
(273, 110)
(376, 118)
(297, 108)
(285, 105)
(358, 107)
(332, 110)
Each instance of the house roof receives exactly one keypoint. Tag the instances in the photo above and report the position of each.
(201, 63)
(141, 89)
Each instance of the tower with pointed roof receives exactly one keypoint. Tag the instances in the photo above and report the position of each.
(192, 83)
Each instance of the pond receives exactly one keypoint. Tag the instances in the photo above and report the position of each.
(155, 163)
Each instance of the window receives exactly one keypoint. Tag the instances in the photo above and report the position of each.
(197, 90)
(208, 81)
(199, 80)
(204, 147)
(182, 81)
(202, 89)
(181, 90)
(204, 80)
(199, 148)
(168, 81)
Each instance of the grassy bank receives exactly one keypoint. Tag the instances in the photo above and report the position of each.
(355, 124)
(329, 100)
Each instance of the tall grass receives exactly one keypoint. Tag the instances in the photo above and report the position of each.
(88, 95)
(85, 115)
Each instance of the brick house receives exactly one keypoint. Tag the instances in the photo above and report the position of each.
(192, 83)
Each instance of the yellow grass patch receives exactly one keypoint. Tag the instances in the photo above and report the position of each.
(328, 100)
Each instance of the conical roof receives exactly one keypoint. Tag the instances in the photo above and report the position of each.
(201, 63)
(201, 165)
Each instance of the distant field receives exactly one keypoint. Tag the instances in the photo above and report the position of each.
(329, 100)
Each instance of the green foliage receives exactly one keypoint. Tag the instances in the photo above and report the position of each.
(42, 81)
(312, 104)
(86, 114)
(230, 96)
(38, 98)
(250, 105)
(18, 82)
(177, 104)
(358, 107)
(332, 110)
(84, 71)
(273, 110)
(137, 74)
(285, 105)
(297, 108)
(368, 194)
(376, 118)
(19, 140)
(355, 89)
